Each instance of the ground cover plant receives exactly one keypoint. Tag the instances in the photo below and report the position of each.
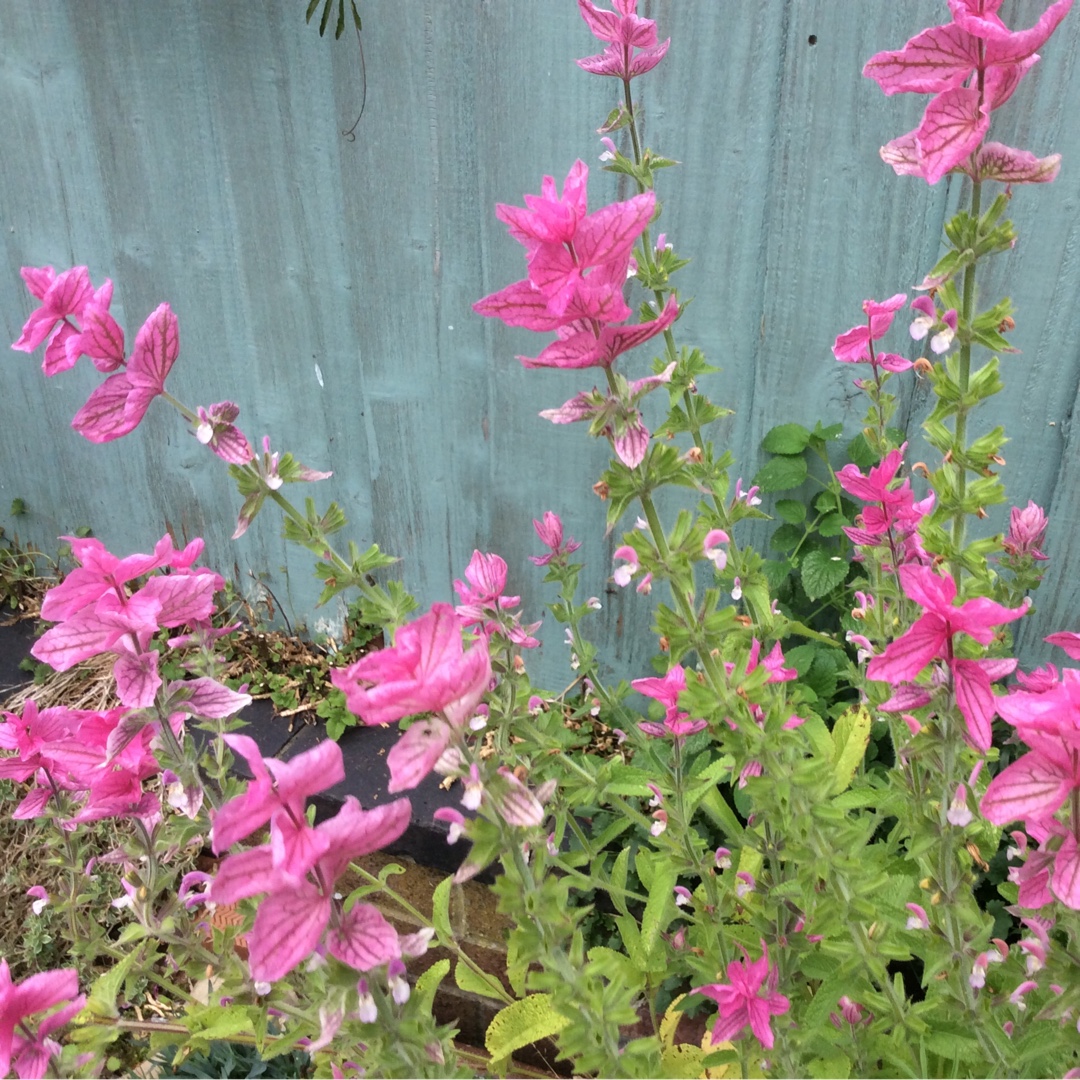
(834, 829)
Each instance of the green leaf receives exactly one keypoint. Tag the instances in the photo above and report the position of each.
(658, 913)
(473, 983)
(781, 474)
(428, 983)
(858, 450)
(618, 879)
(627, 780)
(131, 933)
(521, 1024)
(837, 1065)
(102, 1000)
(786, 439)
(832, 524)
(821, 573)
(786, 538)
(791, 510)
(440, 908)
(850, 735)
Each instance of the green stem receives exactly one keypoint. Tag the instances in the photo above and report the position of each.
(967, 313)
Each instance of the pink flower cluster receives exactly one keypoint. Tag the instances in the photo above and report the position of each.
(930, 638)
(666, 690)
(578, 264)
(550, 531)
(299, 867)
(892, 516)
(483, 603)
(92, 755)
(96, 610)
(31, 1051)
(107, 755)
(426, 671)
(748, 999)
(1045, 713)
(971, 66)
(633, 47)
(119, 404)
(856, 346)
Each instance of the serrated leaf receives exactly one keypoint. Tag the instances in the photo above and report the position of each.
(428, 982)
(821, 573)
(131, 933)
(102, 999)
(781, 474)
(786, 538)
(791, 510)
(474, 983)
(618, 879)
(832, 524)
(859, 452)
(786, 439)
(521, 1024)
(627, 780)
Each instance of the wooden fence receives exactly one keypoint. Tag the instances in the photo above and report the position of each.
(192, 150)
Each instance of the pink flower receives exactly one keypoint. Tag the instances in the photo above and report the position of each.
(427, 670)
(278, 793)
(616, 416)
(632, 42)
(563, 244)
(1067, 640)
(666, 690)
(550, 531)
(918, 919)
(1037, 785)
(623, 574)
(750, 498)
(483, 604)
(856, 345)
(894, 516)
(61, 295)
(578, 264)
(748, 998)
(217, 430)
(586, 343)
(96, 614)
(978, 50)
(20, 1001)
(300, 911)
(1027, 528)
(930, 637)
(712, 549)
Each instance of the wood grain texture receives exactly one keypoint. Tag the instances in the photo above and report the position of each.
(192, 151)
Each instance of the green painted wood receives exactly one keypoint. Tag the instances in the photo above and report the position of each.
(192, 151)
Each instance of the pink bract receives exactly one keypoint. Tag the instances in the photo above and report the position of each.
(299, 913)
(748, 999)
(972, 66)
(118, 405)
(930, 638)
(427, 670)
(632, 47)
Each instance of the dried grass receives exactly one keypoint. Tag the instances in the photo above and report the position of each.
(88, 685)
